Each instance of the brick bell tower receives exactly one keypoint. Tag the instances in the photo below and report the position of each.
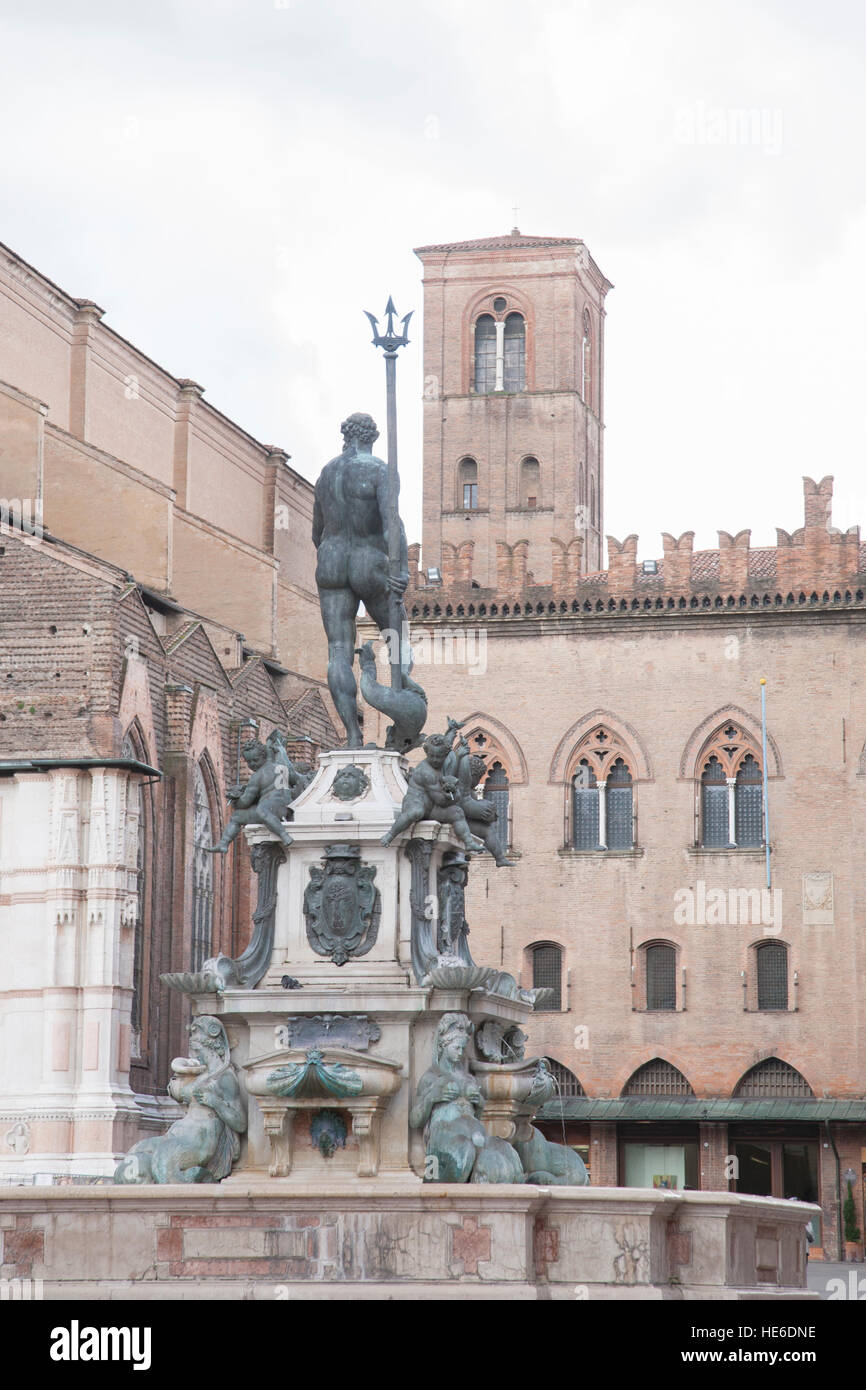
(513, 404)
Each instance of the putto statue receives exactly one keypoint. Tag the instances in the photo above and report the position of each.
(265, 800)
(447, 1103)
(434, 794)
(469, 768)
(203, 1145)
(352, 517)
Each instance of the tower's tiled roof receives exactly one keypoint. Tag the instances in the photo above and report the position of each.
(501, 243)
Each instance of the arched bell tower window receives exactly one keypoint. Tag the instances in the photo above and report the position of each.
(203, 872)
(530, 483)
(485, 355)
(467, 481)
(514, 352)
(499, 351)
(586, 360)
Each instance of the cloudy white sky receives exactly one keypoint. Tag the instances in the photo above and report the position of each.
(234, 181)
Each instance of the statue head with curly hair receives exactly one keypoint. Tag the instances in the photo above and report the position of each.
(359, 429)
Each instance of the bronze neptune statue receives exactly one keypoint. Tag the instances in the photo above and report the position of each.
(352, 519)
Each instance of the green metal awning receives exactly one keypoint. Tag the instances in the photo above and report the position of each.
(694, 1110)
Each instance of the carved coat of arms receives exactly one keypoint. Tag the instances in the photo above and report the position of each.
(342, 905)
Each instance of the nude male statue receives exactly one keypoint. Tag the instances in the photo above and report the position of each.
(350, 533)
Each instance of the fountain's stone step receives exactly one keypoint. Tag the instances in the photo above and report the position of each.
(391, 1239)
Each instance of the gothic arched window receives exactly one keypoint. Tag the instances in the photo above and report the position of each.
(202, 871)
(749, 803)
(772, 1077)
(467, 477)
(657, 1078)
(134, 907)
(514, 354)
(771, 966)
(593, 514)
(485, 355)
(584, 793)
(732, 803)
(714, 805)
(567, 1084)
(496, 790)
(547, 974)
(530, 483)
(602, 794)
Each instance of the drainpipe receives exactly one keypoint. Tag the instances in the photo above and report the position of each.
(838, 1191)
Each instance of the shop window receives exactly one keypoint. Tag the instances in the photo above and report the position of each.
(779, 1168)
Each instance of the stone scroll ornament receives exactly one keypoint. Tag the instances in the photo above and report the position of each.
(222, 972)
(342, 905)
(205, 1142)
(448, 1105)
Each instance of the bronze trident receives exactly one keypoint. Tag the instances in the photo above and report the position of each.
(391, 341)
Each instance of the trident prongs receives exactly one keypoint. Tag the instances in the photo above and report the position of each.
(389, 340)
